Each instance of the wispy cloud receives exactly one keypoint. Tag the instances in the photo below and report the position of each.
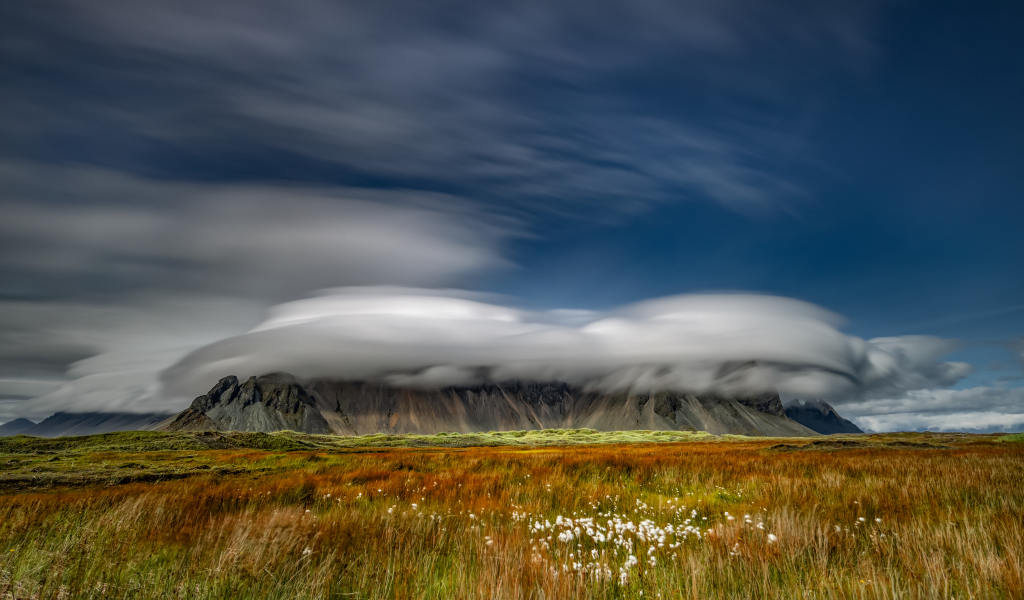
(612, 105)
(111, 234)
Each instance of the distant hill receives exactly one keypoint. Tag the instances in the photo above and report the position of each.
(63, 423)
(820, 417)
(15, 427)
(280, 401)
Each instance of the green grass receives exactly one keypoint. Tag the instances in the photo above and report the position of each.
(149, 441)
(143, 441)
(122, 441)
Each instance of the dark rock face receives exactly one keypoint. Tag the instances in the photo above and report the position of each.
(64, 424)
(15, 427)
(225, 391)
(768, 403)
(363, 407)
(819, 417)
(192, 419)
(666, 405)
(280, 392)
(269, 403)
(278, 401)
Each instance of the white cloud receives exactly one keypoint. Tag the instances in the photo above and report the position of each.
(128, 345)
(112, 231)
(943, 401)
(980, 422)
(978, 408)
(911, 363)
(982, 409)
(729, 343)
(123, 275)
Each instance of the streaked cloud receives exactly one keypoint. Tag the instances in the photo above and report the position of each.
(533, 104)
(111, 233)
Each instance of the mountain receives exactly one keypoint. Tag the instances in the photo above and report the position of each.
(15, 427)
(63, 424)
(820, 417)
(279, 401)
(268, 403)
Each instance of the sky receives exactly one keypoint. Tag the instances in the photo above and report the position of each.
(641, 193)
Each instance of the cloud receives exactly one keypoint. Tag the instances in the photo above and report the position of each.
(983, 409)
(550, 105)
(81, 230)
(917, 398)
(701, 343)
(912, 363)
(106, 279)
(107, 357)
(944, 401)
(185, 111)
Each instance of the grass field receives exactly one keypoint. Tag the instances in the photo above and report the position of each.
(147, 515)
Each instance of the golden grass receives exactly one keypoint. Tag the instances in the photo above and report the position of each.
(463, 523)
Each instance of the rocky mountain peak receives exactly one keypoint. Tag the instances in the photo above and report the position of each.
(266, 403)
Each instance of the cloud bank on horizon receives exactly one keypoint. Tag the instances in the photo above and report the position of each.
(726, 343)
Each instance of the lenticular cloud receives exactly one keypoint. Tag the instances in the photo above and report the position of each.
(698, 343)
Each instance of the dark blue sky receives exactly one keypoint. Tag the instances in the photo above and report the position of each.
(867, 157)
(912, 207)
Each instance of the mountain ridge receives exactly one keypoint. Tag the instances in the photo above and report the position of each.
(89, 423)
(361, 407)
(819, 416)
(15, 427)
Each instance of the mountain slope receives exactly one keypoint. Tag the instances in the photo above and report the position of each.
(820, 417)
(63, 424)
(356, 408)
(15, 427)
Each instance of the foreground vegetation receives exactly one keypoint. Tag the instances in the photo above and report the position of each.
(290, 440)
(146, 515)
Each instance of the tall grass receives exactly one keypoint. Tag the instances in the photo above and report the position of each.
(693, 520)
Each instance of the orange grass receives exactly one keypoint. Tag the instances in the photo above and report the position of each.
(460, 523)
